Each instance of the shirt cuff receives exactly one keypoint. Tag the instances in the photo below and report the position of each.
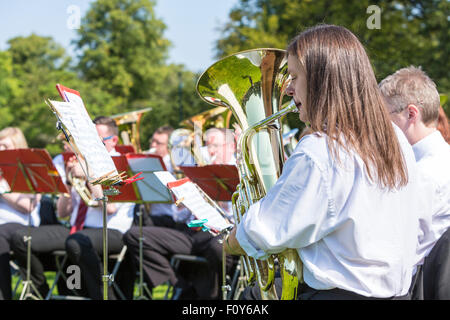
(245, 242)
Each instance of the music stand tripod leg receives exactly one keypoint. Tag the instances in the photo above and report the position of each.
(105, 277)
(28, 286)
(142, 285)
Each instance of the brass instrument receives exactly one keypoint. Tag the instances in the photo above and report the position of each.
(83, 191)
(128, 124)
(186, 144)
(251, 84)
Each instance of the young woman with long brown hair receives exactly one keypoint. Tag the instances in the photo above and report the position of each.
(347, 199)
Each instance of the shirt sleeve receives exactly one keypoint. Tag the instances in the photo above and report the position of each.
(296, 212)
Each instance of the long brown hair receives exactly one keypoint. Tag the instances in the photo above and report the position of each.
(343, 101)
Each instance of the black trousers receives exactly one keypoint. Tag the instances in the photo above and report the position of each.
(85, 249)
(162, 239)
(436, 270)
(7, 231)
(44, 240)
(307, 293)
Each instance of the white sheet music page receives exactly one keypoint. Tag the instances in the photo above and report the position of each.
(76, 119)
(191, 198)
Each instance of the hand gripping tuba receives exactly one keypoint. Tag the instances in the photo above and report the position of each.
(251, 84)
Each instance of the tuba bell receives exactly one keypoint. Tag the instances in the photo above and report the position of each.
(252, 85)
(128, 124)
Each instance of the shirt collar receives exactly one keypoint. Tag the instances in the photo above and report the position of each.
(427, 144)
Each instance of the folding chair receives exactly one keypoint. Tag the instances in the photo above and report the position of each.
(60, 263)
(61, 258)
(119, 258)
(175, 263)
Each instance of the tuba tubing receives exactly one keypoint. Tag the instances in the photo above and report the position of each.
(251, 84)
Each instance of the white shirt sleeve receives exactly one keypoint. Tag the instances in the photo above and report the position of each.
(295, 212)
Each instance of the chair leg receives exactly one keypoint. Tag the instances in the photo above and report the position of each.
(115, 270)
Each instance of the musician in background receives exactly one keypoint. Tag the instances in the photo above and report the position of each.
(15, 211)
(85, 246)
(83, 240)
(164, 214)
(347, 200)
(163, 241)
(413, 104)
(221, 146)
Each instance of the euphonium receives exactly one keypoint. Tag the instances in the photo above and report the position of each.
(251, 84)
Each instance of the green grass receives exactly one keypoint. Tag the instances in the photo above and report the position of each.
(157, 294)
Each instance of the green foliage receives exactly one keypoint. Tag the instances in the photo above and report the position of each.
(124, 51)
(122, 57)
(411, 33)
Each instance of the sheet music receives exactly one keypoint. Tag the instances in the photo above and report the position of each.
(191, 197)
(165, 177)
(76, 119)
(200, 208)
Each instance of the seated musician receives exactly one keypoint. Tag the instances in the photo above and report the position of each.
(160, 243)
(413, 103)
(83, 241)
(348, 200)
(16, 209)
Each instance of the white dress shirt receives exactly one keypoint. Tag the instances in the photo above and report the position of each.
(433, 163)
(11, 215)
(349, 233)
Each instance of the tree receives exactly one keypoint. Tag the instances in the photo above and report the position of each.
(36, 64)
(122, 47)
(411, 32)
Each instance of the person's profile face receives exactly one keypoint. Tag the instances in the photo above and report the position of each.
(6, 144)
(399, 117)
(297, 87)
(159, 143)
(109, 140)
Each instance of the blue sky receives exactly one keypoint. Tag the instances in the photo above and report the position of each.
(191, 25)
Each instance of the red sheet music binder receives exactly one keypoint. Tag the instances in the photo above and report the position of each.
(218, 181)
(31, 171)
(150, 189)
(125, 148)
(62, 92)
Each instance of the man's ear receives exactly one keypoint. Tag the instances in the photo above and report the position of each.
(413, 113)
(115, 140)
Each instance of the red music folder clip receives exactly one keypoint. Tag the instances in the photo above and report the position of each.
(218, 181)
(31, 171)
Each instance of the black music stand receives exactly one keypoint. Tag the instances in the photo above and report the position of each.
(30, 171)
(79, 131)
(148, 190)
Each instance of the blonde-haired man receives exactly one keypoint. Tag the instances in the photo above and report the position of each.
(413, 103)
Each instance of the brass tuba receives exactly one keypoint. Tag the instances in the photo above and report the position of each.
(251, 84)
(128, 124)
